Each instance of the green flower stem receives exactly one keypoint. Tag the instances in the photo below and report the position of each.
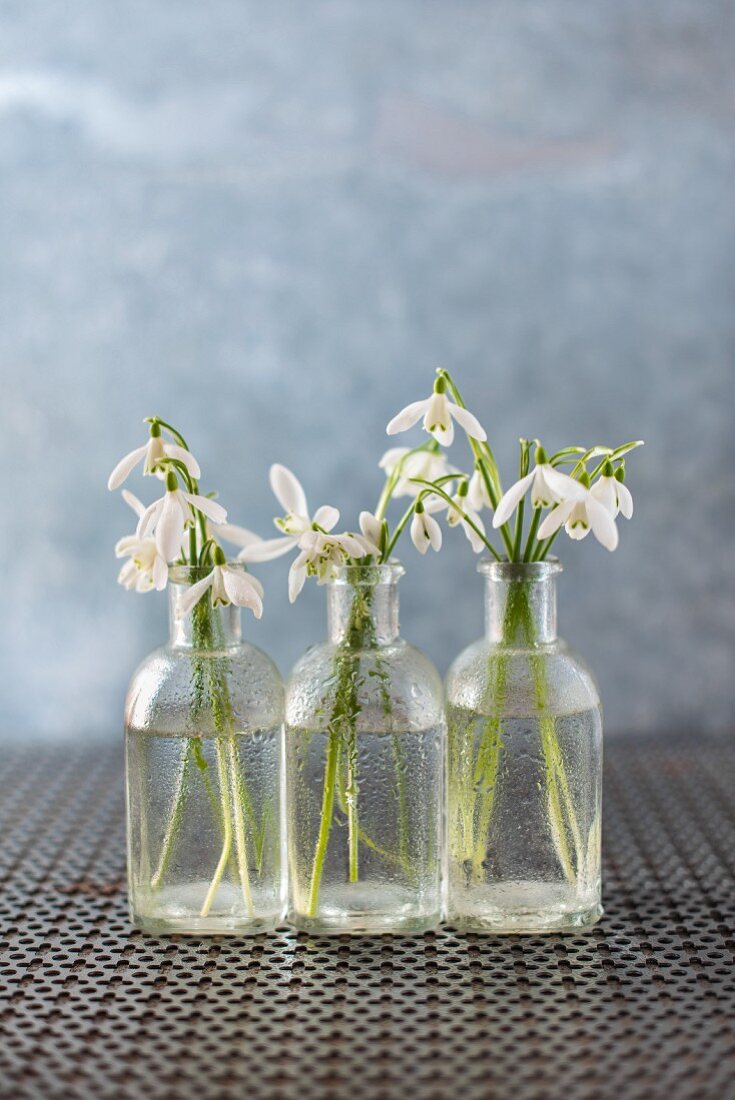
(325, 823)
(486, 464)
(530, 542)
(342, 747)
(174, 818)
(518, 623)
(485, 776)
(242, 857)
(210, 685)
(224, 789)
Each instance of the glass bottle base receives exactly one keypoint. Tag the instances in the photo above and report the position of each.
(520, 908)
(203, 926)
(177, 911)
(359, 910)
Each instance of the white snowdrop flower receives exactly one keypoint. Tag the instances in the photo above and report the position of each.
(456, 517)
(580, 516)
(438, 413)
(146, 569)
(612, 492)
(152, 454)
(320, 553)
(169, 516)
(427, 465)
(227, 584)
(548, 486)
(371, 533)
(477, 494)
(425, 531)
(296, 521)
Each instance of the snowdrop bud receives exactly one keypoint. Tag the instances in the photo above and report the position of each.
(584, 479)
(419, 507)
(172, 482)
(620, 474)
(218, 556)
(155, 430)
(440, 385)
(463, 488)
(541, 456)
(608, 470)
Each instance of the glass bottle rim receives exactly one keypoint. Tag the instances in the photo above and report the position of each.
(519, 570)
(367, 575)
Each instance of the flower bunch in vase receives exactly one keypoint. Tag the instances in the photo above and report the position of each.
(524, 716)
(203, 715)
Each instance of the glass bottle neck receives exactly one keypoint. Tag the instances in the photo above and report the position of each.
(204, 627)
(520, 602)
(362, 606)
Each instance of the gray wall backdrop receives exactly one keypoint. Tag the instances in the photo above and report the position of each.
(271, 222)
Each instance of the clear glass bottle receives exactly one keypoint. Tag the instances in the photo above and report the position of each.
(524, 773)
(204, 738)
(365, 742)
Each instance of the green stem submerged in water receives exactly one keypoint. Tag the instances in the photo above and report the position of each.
(357, 655)
(475, 781)
(231, 806)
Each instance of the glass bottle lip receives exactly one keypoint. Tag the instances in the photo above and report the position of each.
(367, 575)
(519, 570)
(189, 574)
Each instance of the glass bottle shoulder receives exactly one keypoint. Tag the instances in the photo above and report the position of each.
(169, 683)
(396, 679)
(484, 671)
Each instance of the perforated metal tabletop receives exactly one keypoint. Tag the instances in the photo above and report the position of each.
(638, 1008)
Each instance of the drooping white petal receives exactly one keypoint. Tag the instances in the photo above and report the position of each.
(372, 530)
(128, 575)
(625, 500)
(170, 527)
(555, 518)
(326, 517)
(132, 502)
(297, 575)
(474, 539)
(288, 491)
(242, 590)
(556, 486)
(239, 536)
(160, 572)
(407, 417)
(172, 450)
(211, 509)
(477, 494)
(193, 595)
(602, 523)
(425, 532)
(350, 545)
(150, 517)
(470, 522)
(392, 457)
(604, 491)
(509, 500)
(418, 534)
(125, 465)
(466, 420)
(434, 532)
(125, 545)
(267, 549)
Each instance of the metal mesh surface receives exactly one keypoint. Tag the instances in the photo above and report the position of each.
(640, 1007)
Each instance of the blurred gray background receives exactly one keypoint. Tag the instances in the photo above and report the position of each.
(269, 223)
